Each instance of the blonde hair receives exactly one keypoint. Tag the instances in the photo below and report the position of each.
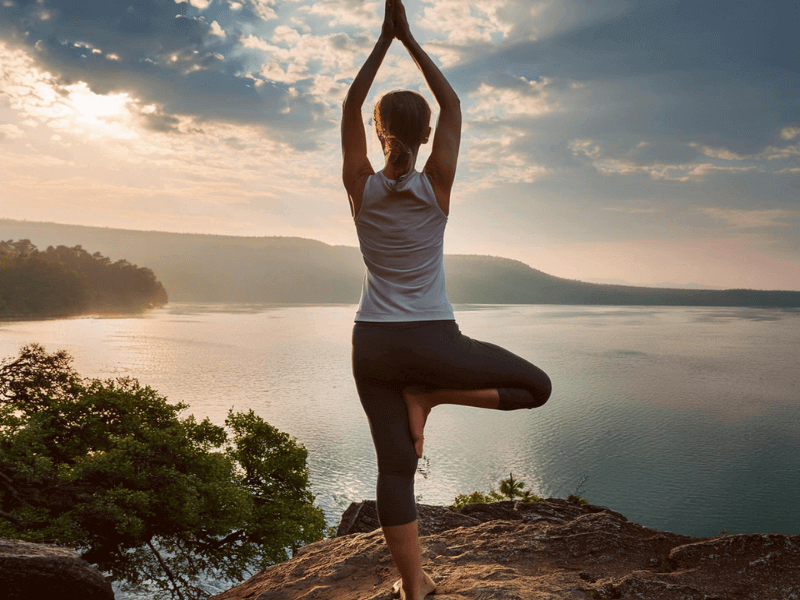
(402, 118)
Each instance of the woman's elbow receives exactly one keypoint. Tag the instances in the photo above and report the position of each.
(452, 104)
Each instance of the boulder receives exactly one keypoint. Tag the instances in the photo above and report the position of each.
(41, 572)
(544, 551)
(362, 517)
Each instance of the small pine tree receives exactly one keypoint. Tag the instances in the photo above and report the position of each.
(511, 488)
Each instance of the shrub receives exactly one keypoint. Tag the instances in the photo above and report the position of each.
(510, 489)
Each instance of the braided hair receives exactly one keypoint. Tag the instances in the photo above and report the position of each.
(401, 122)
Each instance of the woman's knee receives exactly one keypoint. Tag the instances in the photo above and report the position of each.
(404, 466)
(396, 492)
(530, 394)
(544, 389)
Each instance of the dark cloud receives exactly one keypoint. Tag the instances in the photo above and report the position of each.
(666, 35)
(719, 73)
(162, 54)
(135, 29)
(160, 122)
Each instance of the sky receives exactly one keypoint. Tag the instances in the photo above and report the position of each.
(650, 142)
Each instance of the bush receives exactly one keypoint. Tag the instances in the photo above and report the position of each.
(111, 469)
(510, 489)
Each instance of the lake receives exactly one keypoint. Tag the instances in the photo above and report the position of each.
(684, 419)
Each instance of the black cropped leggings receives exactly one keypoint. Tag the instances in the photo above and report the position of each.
(433, 355)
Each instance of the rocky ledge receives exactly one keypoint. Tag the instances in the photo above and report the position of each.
(545, 551)
(41, 572)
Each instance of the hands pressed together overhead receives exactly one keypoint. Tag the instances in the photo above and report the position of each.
(441, 164)
(395, 24)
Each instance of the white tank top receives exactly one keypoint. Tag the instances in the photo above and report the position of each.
(400, 230)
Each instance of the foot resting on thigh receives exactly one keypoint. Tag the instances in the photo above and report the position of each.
(427, 587)
(418, 405)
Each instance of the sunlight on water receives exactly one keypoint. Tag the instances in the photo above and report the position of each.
(685, 419)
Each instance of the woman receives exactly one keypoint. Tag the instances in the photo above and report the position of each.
(408, 353)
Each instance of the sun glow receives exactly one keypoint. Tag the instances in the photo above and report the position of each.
(105, 115)
(69, 110)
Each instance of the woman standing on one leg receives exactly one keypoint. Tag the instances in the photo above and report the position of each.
(408, 353)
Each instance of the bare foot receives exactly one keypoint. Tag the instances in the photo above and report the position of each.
(419, 407)
(427, 587)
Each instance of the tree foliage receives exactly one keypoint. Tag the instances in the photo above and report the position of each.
(150, 497)
(62, 281)
(510, 489)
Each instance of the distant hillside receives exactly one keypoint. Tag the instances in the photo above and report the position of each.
(214, 268)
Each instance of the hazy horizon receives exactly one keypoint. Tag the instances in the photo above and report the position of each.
(90, 243)
(619, 140)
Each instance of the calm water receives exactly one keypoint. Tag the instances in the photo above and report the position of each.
(682, 419)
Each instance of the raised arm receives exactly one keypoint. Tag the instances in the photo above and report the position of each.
(356, 166)
(441, 166)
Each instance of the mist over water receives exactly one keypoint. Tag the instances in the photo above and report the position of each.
(682, 419)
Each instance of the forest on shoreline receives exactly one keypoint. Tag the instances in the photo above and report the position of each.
(62, 281)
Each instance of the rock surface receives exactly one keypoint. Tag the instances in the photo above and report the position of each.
(545, 551)
(39, 572)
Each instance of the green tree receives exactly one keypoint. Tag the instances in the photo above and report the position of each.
(511, 488)
(152, 498)
(476, 497)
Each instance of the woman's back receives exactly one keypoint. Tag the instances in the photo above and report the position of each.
(400, 229)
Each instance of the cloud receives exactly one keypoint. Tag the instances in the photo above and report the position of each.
(754, 218)
(497, 160)
(522, 99)
(473, 30)
(263, 9)
(355, 13)
(163, 53)
(25, 162)
(769, 153)
(621, 161)
(588, 148)
(9, 131)
(789, 133)
(675, 72)
(505, 24)
(465, 22)
(39, 98)
(636, 210)
(216, 29)
(722, 153)
(479, 30)
(209, 175)
(198, 4)
(291, 54)
(252, 41)
(773, 153)
(607, 164)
